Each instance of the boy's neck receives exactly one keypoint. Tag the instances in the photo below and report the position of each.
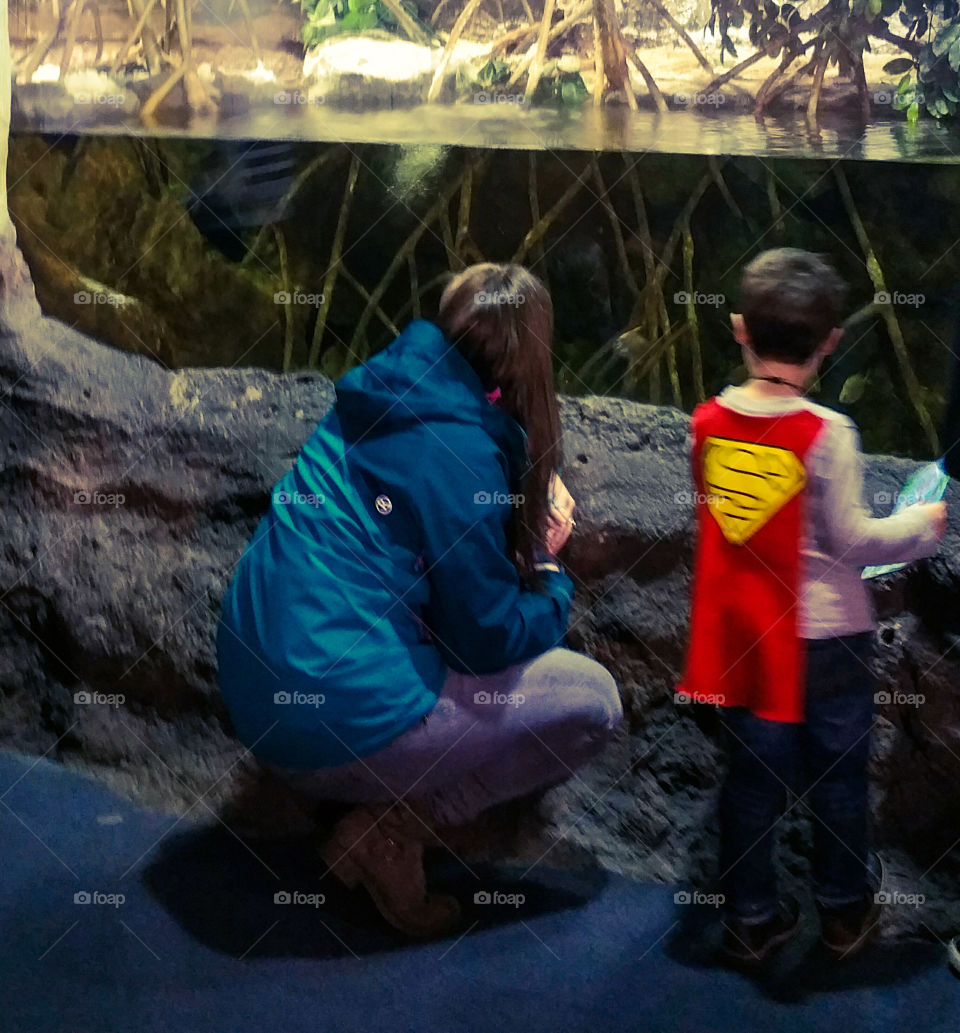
(776, 380)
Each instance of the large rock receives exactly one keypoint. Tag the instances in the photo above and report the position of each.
(130, 492)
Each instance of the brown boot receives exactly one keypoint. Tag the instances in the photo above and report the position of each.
(381, 846)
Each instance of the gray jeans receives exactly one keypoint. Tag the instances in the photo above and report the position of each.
(488, 739)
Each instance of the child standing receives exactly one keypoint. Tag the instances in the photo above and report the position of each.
(781, 623)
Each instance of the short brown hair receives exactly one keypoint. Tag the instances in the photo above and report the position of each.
(790, 301)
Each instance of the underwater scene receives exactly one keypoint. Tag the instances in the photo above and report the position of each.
(480, 545)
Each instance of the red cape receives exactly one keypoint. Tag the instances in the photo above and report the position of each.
(749, 474)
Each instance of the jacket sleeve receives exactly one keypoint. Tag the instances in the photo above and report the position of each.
(482, 616)
(853, 536)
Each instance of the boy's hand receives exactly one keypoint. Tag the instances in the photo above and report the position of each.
(560, 521)
(938, 517)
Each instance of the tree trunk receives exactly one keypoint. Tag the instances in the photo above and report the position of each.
(611, 45)
(18, 300)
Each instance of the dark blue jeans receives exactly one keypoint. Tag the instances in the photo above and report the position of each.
(823, 761)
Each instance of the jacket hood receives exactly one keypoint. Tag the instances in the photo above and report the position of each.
(421, 378)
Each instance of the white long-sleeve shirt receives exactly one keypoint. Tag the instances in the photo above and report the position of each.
(840, 536)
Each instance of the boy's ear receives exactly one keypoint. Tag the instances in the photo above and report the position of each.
(739, 329)
(834, 338)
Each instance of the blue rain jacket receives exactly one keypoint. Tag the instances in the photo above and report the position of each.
(381, 562)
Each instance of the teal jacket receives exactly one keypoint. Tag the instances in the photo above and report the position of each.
(382, 562)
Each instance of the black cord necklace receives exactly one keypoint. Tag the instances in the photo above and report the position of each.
(781, 381)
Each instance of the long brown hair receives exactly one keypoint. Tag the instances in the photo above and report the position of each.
(500, 317)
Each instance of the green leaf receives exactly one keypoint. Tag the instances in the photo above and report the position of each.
(898, 66)
(875, 7)
(913, 113)
(573, 91)
(945, 38)
(853, 388)
(954, 56)
(494, 71)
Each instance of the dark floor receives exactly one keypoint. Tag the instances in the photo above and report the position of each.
(197, 943)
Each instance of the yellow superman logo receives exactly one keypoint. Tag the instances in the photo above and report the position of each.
(747, 484)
